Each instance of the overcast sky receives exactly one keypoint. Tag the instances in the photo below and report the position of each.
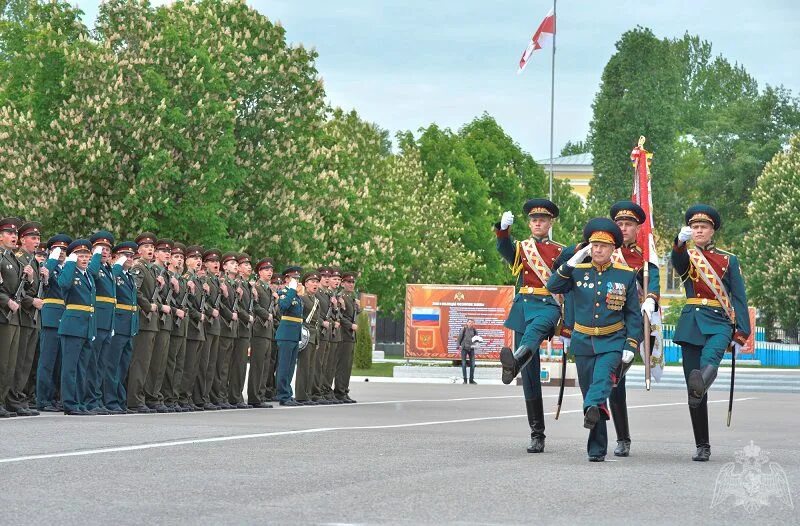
(406, 63)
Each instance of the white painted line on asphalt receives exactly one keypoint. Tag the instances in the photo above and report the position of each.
(175, 443)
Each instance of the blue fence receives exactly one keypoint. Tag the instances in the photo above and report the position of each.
(768, 353)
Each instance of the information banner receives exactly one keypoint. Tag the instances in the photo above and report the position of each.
(369, 304)
(435, 315)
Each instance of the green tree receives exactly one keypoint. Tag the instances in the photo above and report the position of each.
(573, 148)
(362, 355)
(640, 94)
(772, 251)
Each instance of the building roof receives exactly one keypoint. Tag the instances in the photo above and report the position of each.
(579, 159)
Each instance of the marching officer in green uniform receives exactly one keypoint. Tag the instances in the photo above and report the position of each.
(177, 339)
(115, 361)
(195, 329)
(245, 302)
(166, 300)
(147, 297)
(104, 309)
(715, 315)
(306, 359)
(208, 360)
(77, 328)
(288, 334)
(48, 371)
(28, 236)
(535, 312)
(629, 217)
(607, 322)
(349, 311)
(12, 288)
(261, 341)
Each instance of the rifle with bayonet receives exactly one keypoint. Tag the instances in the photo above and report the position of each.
(183, 305)
(170, 294)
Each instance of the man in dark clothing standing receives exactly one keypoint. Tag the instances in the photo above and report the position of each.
(466, 344)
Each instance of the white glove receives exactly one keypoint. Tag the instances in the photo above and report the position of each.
(580, 255)
(737, 348)
(566, 341)
(121, 261)
(73, 257)
(627, 356)
(97, 250)
(292, 284)
(55, 253)
(685, 234)
(649, 307)
(506, 220)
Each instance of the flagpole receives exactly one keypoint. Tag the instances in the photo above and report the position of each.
(552, 95)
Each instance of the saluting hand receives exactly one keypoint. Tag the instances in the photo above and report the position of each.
(685, 234)
(506, 220)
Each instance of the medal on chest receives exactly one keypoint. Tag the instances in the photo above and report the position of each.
(615, 295)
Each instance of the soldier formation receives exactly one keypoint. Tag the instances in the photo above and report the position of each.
(90, 327)
(592, 294)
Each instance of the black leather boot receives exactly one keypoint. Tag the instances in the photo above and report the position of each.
(699, 417)
(535, 409)
(591, 416)
(514, 361)
(619, 413)
(699, 383)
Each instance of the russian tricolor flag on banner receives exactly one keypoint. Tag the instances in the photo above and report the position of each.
(425, 316)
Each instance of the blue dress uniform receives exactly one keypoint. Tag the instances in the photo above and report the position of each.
(77, 328)
(114, 363)
(534, 313)
(48, 371)
(288, 336)
(607, 320)
(104, 308)
(632, 256)
(714, 315)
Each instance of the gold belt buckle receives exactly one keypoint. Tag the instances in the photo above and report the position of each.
(705, 301)
(596, 331)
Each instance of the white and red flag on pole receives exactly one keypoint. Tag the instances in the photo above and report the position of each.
(642, 196)
(543, 36)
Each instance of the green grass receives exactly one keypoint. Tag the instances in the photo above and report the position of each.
(377, 369)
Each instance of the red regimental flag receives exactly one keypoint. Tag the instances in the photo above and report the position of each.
(642, 196)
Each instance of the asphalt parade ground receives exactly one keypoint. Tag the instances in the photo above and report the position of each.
(406, 454)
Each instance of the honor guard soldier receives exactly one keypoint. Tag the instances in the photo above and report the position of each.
(322, 393)
(12, 289)
(77, 329)
(114, 363)
(335, 280)
(166, 302)
(104, 309)
(715, 315)
(307, 355)
(48, 372)
(535, 312)
(208, 360)
(177, 338)
(147, 289)
(245, 302)
(607, 322)
(261, 341)
(228, 329)
(28, 238)
(271, 385)
(629, 217)
(349, 313)
(195, 329)
(288, 334)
